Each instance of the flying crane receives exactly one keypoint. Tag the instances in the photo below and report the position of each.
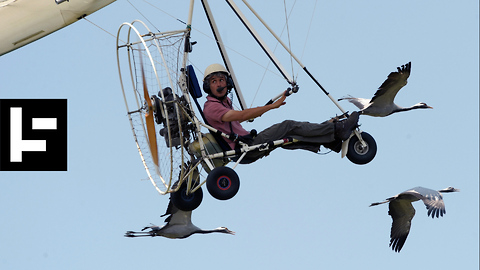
(382, 104)
(402, 212)
(178, 226)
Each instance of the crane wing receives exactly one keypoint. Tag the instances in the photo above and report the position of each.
(434, 203)
(177, 216)
(432, 199)
(395, 81)
(361, 103)
(402, 213)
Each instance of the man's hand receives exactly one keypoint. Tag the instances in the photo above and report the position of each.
(280, 101)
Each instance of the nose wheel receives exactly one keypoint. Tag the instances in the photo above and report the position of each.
(359, 153)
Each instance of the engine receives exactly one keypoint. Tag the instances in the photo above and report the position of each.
(167, 114)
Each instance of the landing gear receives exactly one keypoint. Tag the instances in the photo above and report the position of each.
(360, 154)
(186, 202)
(223, 183)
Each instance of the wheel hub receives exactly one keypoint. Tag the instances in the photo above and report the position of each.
(224, 183)
(360, 149)
(186, 197)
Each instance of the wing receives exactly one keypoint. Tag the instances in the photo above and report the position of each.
(402, 213)
(434, 203)
(24, 21)
(361, 103)
(390, 87)
(171, 209)
(432, 199)
(177, 216)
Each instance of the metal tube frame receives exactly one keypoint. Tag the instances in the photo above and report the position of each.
(207, 157)
(275, 60)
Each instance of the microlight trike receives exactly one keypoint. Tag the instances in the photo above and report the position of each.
(161, 89)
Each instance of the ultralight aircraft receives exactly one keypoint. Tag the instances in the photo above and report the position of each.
(160, 89)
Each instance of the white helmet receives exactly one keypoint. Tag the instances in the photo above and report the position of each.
(214, 68)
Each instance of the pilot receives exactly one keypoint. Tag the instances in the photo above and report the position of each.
(219, 113)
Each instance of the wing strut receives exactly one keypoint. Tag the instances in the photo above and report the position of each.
(270, 54)
(223, 52)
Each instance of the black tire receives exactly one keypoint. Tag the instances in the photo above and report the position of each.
(362, 155)
(186, 202)
(223, 183)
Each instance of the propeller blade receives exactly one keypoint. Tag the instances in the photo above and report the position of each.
(152, 135)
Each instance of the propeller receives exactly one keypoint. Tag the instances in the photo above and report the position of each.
(149, 119)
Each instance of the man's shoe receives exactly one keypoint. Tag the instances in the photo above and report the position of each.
(344, 128)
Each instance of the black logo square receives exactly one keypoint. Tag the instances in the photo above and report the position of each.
(33, 134)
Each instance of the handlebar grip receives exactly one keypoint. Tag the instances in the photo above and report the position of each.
(289, 91)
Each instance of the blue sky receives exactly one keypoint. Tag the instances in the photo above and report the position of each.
(294, 208)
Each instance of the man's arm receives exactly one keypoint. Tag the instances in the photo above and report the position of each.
(252, 113)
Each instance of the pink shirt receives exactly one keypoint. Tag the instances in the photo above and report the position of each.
(214, 111)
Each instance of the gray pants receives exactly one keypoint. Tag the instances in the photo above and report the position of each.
(310, 135)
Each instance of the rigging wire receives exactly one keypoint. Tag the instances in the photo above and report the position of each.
(166, 13)
(211, 38)
(266, 68)
(269, 62)
(193, 28)
(288, 35)
(85, 18)
(151, 23)
(308, 33)
(143, 15)
(197, 30)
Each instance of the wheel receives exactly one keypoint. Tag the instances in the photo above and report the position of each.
(223, 183)
(359, 154)
(186, 202)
